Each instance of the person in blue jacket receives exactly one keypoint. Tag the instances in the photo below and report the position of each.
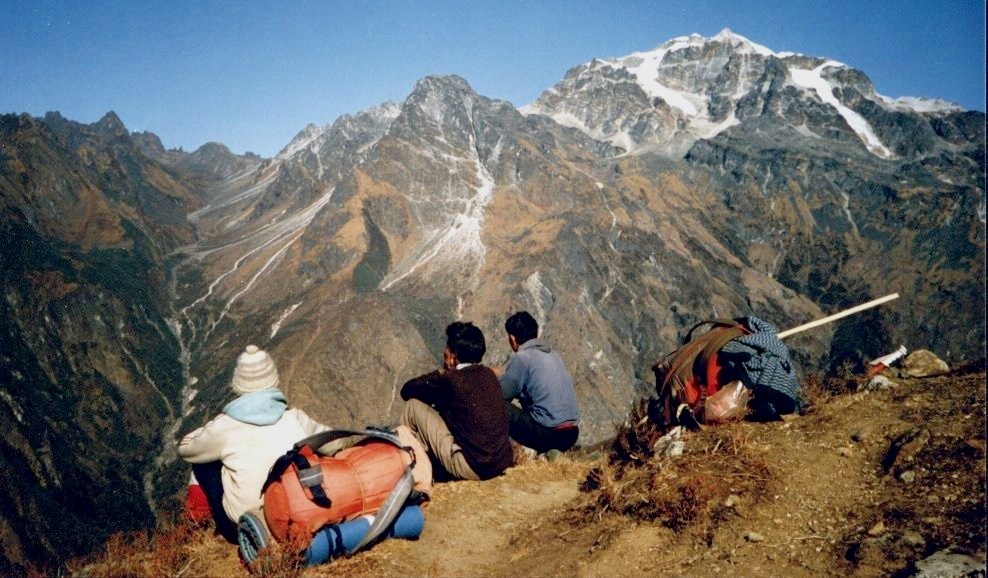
(536, 376)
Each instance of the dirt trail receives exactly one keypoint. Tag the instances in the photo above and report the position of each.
(471, 526)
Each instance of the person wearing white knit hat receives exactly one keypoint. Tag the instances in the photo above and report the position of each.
(231, 455)
(255, 371)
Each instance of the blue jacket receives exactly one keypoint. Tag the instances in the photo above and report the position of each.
(537, 377)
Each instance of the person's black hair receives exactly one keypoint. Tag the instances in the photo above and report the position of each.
(466, 340)
(523, 326)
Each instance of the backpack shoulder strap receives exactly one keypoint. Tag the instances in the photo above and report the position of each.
(718, 322)
(320, 439)
(309, 476)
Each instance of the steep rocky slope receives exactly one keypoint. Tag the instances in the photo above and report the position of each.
(808, 160)
(89, 369)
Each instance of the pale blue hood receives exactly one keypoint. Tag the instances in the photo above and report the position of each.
(263, 407)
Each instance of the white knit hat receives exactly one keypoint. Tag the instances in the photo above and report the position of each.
(255, 371)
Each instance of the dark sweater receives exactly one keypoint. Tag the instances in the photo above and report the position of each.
(469, 401)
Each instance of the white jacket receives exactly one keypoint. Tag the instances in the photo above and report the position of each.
(247, 450)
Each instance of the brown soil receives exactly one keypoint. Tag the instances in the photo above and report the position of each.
(819, 494)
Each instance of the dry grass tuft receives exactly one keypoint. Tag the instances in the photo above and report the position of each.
(163, 552)
(369, 563)
(820, 387)
(686, 491)
(181, 549)
(279, 561)
(634, 439)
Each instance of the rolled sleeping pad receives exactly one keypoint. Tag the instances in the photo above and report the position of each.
(334, 540)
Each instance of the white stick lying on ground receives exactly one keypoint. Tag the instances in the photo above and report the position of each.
(837, 316)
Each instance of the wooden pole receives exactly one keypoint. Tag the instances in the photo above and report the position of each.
(837, 316)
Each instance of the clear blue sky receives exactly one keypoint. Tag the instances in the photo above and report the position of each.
(251, 74)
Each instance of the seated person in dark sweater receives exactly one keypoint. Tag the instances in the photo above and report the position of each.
(457, 412)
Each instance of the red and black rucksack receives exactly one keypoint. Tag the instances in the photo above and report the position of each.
(685, 378)
(305, 490)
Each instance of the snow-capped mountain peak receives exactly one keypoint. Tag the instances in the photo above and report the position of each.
(665, 99)
(692, 88)
(303, 139)
(919, 104)
(647, 67)
(736, 41)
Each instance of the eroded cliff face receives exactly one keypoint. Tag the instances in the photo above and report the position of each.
(89, 371)
(640, 195)
(843, 225)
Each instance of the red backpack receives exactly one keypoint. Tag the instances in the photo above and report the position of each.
(305, 491)
(691, 374)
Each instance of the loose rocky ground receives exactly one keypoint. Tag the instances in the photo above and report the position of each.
(865, 483)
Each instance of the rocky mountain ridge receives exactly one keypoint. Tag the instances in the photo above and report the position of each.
(89, 370)
(609, 208)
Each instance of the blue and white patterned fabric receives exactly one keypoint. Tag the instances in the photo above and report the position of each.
(762, 363)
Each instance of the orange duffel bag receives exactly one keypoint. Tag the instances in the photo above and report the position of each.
(305, 491)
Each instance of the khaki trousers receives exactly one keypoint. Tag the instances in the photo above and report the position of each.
(422, 470)
(429, 427)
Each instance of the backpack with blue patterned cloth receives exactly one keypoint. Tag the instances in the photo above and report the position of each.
(746, 349)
